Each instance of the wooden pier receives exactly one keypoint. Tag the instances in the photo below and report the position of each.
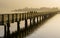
(7, 19)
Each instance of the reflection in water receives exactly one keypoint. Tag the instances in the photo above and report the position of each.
(22, 24)
(51, 29)
(1, 31)
(13, 27)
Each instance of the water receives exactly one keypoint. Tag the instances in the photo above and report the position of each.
(1, 31)
(51, 29)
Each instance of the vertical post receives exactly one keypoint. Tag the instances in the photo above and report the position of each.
(8, 28)
(26, 24)
(30, 21)
(44, 17)
(18, 28)
(12, 18)
(30, 25)
(34, 20)
(4, 26)
(2, 19)
(16, 18)
(19, 17)
(37, 19)
(25, 21)
(4, 31)
(40, 18)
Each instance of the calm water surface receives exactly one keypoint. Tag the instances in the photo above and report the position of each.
(51, 29)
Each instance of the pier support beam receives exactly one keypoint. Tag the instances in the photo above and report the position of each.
(37, 19)
(40, 18)
(12, 18)
(19, 17)
(2, 19)
(18, 29)
(26, 24)
(8, 27)
(44, 17)
(8, 30)
(4, 31)
(30, 22)
(34, 21)
(16, 18)
(18, 26)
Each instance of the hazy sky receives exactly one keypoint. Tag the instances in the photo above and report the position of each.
(28, 3)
